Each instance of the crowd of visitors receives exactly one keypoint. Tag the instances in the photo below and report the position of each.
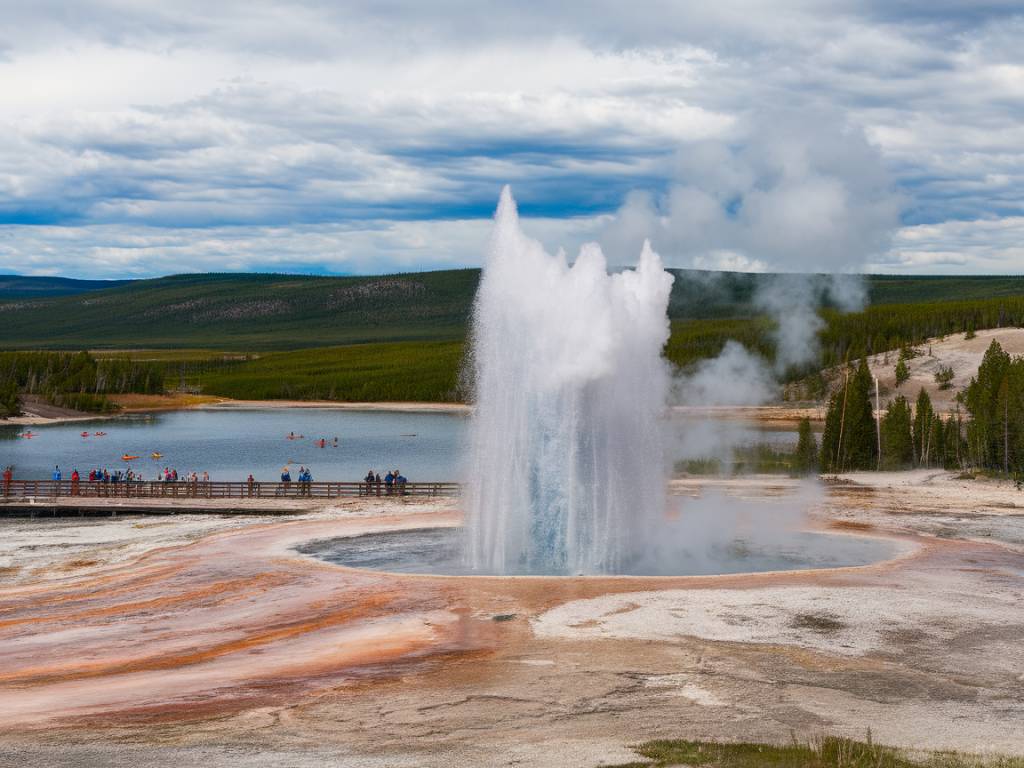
(393, 483)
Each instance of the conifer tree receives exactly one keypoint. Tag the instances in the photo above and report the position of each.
(806, 460)
(897, 441)
(902, 373)
(984, 431)
(862, 446)
(924, 415)
(849, 441)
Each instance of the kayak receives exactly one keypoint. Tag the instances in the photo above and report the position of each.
(99, 434)
(156, 455)
(126, 457)
(85, 434)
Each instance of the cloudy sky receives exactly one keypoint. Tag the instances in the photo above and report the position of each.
(147, 138)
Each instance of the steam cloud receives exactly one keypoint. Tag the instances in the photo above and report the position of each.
(802, 194)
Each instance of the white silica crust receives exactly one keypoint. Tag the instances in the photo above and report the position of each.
(849, 621)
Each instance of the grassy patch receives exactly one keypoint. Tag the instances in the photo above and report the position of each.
(757, 458)
(829, 752)
(132, 402)
(422, 372)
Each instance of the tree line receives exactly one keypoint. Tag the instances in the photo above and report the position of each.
(74, 379)
(846, 336)
(896, 326)
(985, 431)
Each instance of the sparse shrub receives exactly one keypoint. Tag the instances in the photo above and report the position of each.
(902, 373)
(944, 376)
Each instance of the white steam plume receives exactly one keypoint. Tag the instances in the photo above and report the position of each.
(803, 194)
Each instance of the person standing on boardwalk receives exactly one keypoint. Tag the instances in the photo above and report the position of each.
(75, 477)
(8, 477)
(389, 480)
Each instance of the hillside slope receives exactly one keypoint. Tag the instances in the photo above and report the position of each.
(961, 354)
(18, 287)
(254, 312)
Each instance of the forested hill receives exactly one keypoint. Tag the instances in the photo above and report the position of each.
(272, 312)
(18, 287)
(247, 311)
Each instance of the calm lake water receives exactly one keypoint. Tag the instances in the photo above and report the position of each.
(229, 444)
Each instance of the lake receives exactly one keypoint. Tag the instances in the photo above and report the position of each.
(229, 444)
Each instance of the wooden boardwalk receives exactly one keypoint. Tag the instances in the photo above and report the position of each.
(63, 497)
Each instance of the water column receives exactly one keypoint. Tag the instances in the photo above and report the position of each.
(566, 472)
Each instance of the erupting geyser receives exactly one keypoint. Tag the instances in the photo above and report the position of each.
(566, 466)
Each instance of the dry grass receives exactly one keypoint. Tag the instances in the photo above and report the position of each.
(135, 402)
(827, 752)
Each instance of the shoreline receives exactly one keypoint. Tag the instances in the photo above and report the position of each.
(34, 420)
(773, 413)
(397, 406)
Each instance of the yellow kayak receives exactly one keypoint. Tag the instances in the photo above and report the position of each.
(156, 455)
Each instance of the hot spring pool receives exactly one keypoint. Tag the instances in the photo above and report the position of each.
(439, 551)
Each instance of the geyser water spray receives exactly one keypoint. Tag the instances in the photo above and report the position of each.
(566, 468)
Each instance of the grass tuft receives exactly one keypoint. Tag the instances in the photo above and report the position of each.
(827, 752)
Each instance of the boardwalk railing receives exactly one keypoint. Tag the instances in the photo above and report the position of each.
(185, 489)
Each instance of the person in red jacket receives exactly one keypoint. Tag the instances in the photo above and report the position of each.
(8, 476)
(75, 477)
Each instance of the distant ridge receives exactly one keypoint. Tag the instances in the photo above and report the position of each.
(18, 287)
(279, 312)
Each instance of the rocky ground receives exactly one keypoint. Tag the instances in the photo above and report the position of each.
(210, 641)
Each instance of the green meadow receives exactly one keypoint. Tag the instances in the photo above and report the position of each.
(402, 337)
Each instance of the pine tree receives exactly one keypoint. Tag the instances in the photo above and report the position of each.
(897, 440)
(862, 444)
(806, 461)
(902, 373)
(849, 441)
(937, 442)
(984, 430)
(923, 417)
(832, 435)
(955, 446)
